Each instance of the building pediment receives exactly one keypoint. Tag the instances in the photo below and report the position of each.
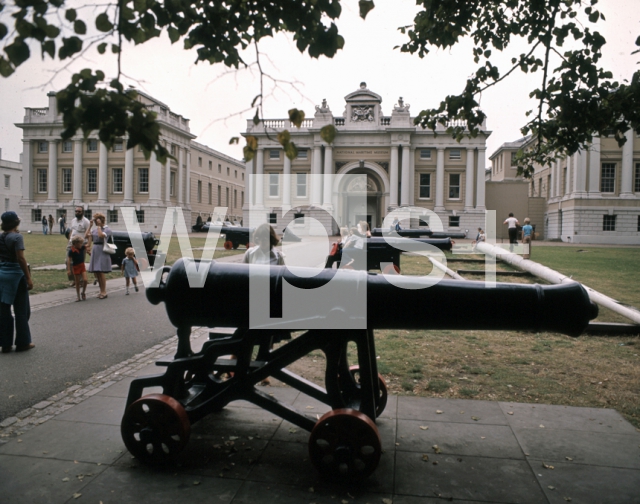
(363, 95)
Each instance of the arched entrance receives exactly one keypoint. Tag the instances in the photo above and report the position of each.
(359, 201)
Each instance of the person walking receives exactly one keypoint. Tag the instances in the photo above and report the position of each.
(15, 284)
(51, 223)
(45, 225)
(130, 268)
(527, 235)
(100, 263)
(512, 225)
(63, 223)
(80, 226)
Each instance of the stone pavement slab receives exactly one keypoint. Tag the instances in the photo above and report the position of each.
(462, 451)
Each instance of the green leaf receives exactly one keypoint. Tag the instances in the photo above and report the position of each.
(296, 117)
(49, 47)
(291, 151)
(70, 14)
(115, 48)
(79, 27)
(256, 117)
(365, 7)
(103, 23)
(174, 34)
(18, 52)
(234, 140)
(3, 31)
(284, 137)
(5, 67)
(102, 48)
(52, 31)
(328, 133)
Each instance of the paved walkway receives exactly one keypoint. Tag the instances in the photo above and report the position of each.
(68, 449)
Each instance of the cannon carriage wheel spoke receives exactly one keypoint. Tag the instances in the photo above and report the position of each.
(155, 428)
(345, 445)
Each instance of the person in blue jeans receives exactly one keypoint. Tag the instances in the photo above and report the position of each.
(15, 284)
(527, 235)
(45, 225)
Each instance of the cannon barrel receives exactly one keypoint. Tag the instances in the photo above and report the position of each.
(408, 244)
(223, 301)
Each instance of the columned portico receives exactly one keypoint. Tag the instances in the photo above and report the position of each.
(468, 199)
(440, 180)
(567, 182)
(53, 172)
(406, 174)
(594, 169)
(102, 173)
(480, 182)
(128, 177)
(316, 185)
(626, 180)
(77, 171)
(580, 174)
(393, 177)
(328, 176)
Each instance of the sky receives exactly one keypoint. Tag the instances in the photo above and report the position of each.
(216, 99)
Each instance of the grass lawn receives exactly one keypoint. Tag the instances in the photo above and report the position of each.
(49, 250)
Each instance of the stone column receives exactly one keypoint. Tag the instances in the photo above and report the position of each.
(102, 173)
(259, 179)
(626, 181)
(316, 186)
(180, 175)
(480, 182)
(567, 182)
(440, 180)
(249, 184)
(128, 177)
(579, 174)
(155, 180)
(167, 181)
(594, 169)
(27, 171)
(558, 184)
(412, 175)
(393, 177)
(552, 181)
(406, 184)
(53, 172)
(187, 195)
(77, 171)
(468, 197)
(328, 177)
(286, 185)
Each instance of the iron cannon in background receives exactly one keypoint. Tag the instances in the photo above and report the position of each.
(418, 233)
(384, 253)
(344, 443)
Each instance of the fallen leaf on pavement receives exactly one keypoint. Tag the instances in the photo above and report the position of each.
(424, 427)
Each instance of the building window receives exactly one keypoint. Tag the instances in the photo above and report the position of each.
(608, 178)
(143, 180)
(66, 180)
(609, 222)
(540, 187)
(92, 145)
(7, 181)
(235, 173)
(425, 185)
(242, 199)
(638, 228)
(513, 158)
(425, 153)
(43, 147)
(243, 177)
(274, 154)
(140, 216)
(235, 198)
(118, 146)
(636, 185)
(36, 215)
(454, 221)
(211, 165)
(219, 196)
(67, 146)
(219, 168)
(272, 218)
(301, 185)
(299, 216)
(7, 203)
(210, 193)
(88, 214)
(92, 180)
(200, 162)
(548, 186)
(173, 150)
(228, 171)
(454, 186)
(274, 185)
(199, 191)
(226, 194)
(172, 183)
(112, 216)
(455, 154)
(42, 180)
(117, 180)
(302, 154)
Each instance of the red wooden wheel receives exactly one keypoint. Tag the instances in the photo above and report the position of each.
(381, 403)
(228, 245)
(345, 445)
(155, 428)
(391, 269)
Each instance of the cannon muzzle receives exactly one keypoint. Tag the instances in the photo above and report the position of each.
(223, 301)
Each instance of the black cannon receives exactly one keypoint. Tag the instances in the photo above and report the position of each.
(385, 251)
(409, 233)
(344, 443)
(122, 241)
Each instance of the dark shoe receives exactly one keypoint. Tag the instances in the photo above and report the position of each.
(136, 288)
(24, 348)
(6, 349)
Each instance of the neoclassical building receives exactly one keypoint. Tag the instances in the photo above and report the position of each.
(404, 165)
(592, 196)
(58, 175)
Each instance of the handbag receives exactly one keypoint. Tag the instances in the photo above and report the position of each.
(109, 248)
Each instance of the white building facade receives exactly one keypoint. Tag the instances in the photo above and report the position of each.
(405, 166)
(10, 184)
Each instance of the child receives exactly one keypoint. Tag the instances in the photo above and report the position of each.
(76, 257)
(130, 268)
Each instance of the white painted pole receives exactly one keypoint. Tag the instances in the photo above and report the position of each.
(558, 278)
(442, 267)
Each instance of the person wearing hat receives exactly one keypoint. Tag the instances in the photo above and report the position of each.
(15, 282)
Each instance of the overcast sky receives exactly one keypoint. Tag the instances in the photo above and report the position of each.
(207, 94)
